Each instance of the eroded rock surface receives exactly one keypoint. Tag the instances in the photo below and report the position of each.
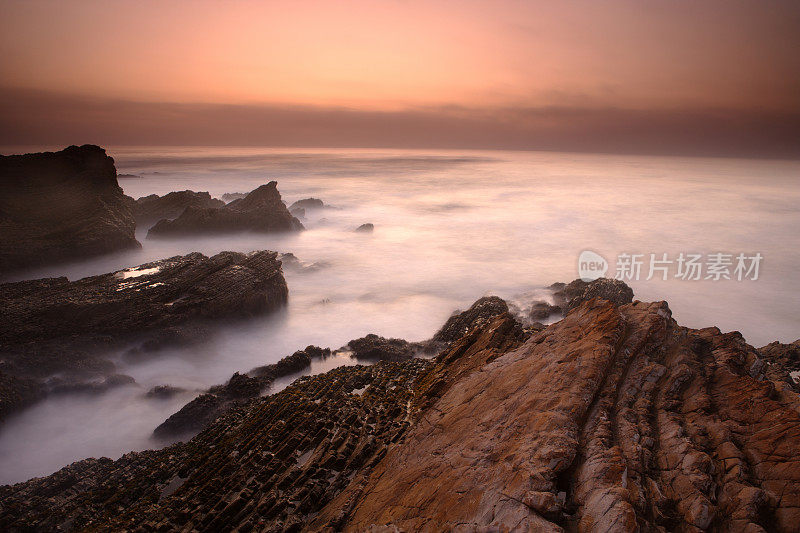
(56, 206)
(261, 210)
(613, 419)
(461, 322)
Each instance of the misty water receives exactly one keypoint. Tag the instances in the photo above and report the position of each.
(450, 227)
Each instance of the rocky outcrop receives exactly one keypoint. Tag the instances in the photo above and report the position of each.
(218, 400)
(782, 362)
(613, 419)
(366, 228)
(374, 348)
(153, 208)
(461, 322)
(54, 326)
(231, 196)
(571, 295)
(56, 206)
(261, 211)
(307, 203)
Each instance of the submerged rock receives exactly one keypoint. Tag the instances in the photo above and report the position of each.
(541, 310)
(365, 228)
(218, 400)
(152, 208)
(261, 210)
(163, 391)
(307, 203)
(56, 206)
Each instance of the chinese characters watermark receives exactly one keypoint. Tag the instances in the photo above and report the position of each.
(684, 266)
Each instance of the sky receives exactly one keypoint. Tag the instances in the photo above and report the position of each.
(715, 76)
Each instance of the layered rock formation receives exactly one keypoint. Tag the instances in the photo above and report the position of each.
(153, 208)
(261, 210)
(613, 419)
(51, 326)
(56, 206)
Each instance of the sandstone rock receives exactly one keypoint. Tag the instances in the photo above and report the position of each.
(56, 206)
(149, 209)
(261, 210)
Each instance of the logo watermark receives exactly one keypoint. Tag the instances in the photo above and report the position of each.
(684, 266)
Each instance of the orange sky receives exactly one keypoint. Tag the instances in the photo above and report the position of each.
(683, 76)
(394, 54)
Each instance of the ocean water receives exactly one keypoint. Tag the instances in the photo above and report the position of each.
(450, 227)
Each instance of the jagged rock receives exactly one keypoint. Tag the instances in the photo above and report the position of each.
(573, 294)
(784, 362)
(163, 391)
(220, 399)
(261, 210)
(54, 326)
(228, 197)
(613, 419)
(56, 206)
(365, 228)
(541, 310)
(629, 421)
(152, 208)
(374, 348)
(461, 322)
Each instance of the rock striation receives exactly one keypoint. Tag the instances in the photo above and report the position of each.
(56, 326)
(261, 211)
(150, 209)
(615, 418)
(56, 206)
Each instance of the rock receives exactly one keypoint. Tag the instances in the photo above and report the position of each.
(17, 393)
(163, 392)
(307, 203)
(572, 295)
(461, 322)
(152, 208)
(541, 310)
(61, 385)
(365, 228)
(374, 348)
(228, 197)
(128, 176)
(56, 206)
(298, 212)
(615, 418)
(54, 326)
(784, 362)
(218, 400)
(261, 210)
(292, 262)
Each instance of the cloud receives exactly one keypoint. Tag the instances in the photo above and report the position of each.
(40, 118)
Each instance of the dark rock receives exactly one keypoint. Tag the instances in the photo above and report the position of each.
(298, 212)
(228, 197)
(54, 326)
(163, 391)
(541, 310)
(572, 295)
(374, 348)
(292, 262)
(262, 211)
(307, 203)
(17, 393)
(56, 206)
(366, 228)
(784, 362)
(128, 176)
(461, 322)
(220, 399)
(152, 208)
(169, 337)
